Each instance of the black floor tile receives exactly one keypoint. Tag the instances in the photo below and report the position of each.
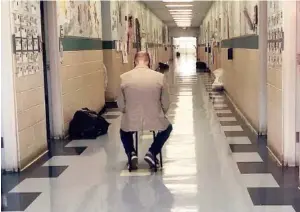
(235, 133)
(244, 148)
(229, 123)
(221, 108)
(110, 116)
(111, 105)
(17, 201)
(275, 196)
(255, 167)
(225, 114)
(48, 172)
(112, 110)
(67, 151)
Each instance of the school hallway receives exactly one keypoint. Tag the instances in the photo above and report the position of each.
(212, 163)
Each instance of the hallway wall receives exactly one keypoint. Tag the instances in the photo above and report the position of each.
(82, 76)
(226, 27)
(151, 29)
(226, 23)
(29, 87)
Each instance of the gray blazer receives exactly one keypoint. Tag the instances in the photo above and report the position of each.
(144, 100)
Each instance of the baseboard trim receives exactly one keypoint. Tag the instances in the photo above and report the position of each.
(34, 160)
(241, 113)
(273, 155)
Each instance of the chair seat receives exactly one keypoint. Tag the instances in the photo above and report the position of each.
(136, 148)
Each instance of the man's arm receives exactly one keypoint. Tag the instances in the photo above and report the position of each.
(121, 99)
(165, 96)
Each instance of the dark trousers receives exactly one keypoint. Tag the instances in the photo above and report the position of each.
(159, 141)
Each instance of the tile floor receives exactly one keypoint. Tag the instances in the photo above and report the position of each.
(212, 163)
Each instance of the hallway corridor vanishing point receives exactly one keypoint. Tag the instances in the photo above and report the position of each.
(212, 163)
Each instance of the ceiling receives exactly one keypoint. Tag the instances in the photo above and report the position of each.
(200, 8)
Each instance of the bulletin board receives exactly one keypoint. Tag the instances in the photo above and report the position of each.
(26, 37)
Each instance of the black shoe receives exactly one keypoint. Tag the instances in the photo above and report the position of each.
(134, 161)
(151, 160)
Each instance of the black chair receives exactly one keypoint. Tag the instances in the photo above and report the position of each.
(137, 152)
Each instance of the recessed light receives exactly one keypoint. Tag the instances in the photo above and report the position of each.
(179, 5)
(181, 10)
(177, 1)
(181, 15)
(182, 18)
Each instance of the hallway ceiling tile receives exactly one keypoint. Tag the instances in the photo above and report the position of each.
(200, 8)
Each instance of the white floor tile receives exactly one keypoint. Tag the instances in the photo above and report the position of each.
(219, 100)
(220, 105)
(238, 140)
(275, 208)
(246, 157)
(137, 173)
(231, 128)
(224, 111)
(227, 118)
(113, 113)
(259, 180)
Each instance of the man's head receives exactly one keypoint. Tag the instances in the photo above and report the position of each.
(142, 58)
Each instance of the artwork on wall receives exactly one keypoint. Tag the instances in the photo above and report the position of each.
(138, 35)
(26, 37)
(124, 52)
(129, 33)
(80, 18)
(164, 34)
(275, 35)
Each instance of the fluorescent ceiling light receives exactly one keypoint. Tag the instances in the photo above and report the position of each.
(183, 22)
(177, 1)
(182, 15)
(183, 25)
(182, 18)
(181, 10)
(179, 5)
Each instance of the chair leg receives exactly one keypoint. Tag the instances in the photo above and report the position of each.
(161, 159)
(155, 168)
(136, 143)
(129, 164)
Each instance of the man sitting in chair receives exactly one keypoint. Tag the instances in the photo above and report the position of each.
(144, 102)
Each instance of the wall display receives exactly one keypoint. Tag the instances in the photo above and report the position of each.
(275, 34)
(124, 52)
(26, 36)
(80, 18)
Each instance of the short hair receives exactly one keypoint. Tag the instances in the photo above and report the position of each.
(142, 56)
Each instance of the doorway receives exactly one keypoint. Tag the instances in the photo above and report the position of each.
(45, 47)
(186, 46)
(298, 83)
(52, 54)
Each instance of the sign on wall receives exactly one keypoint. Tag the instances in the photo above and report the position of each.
(26, 33)
(275, 34)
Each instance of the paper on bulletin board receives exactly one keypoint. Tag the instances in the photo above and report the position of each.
(118, 45)
(124, 52)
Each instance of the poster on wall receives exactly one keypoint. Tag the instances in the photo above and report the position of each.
(124, 52)
(118, 46)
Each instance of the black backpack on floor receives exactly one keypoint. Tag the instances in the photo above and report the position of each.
(200, 65)
(87, 124)
(163, 66)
